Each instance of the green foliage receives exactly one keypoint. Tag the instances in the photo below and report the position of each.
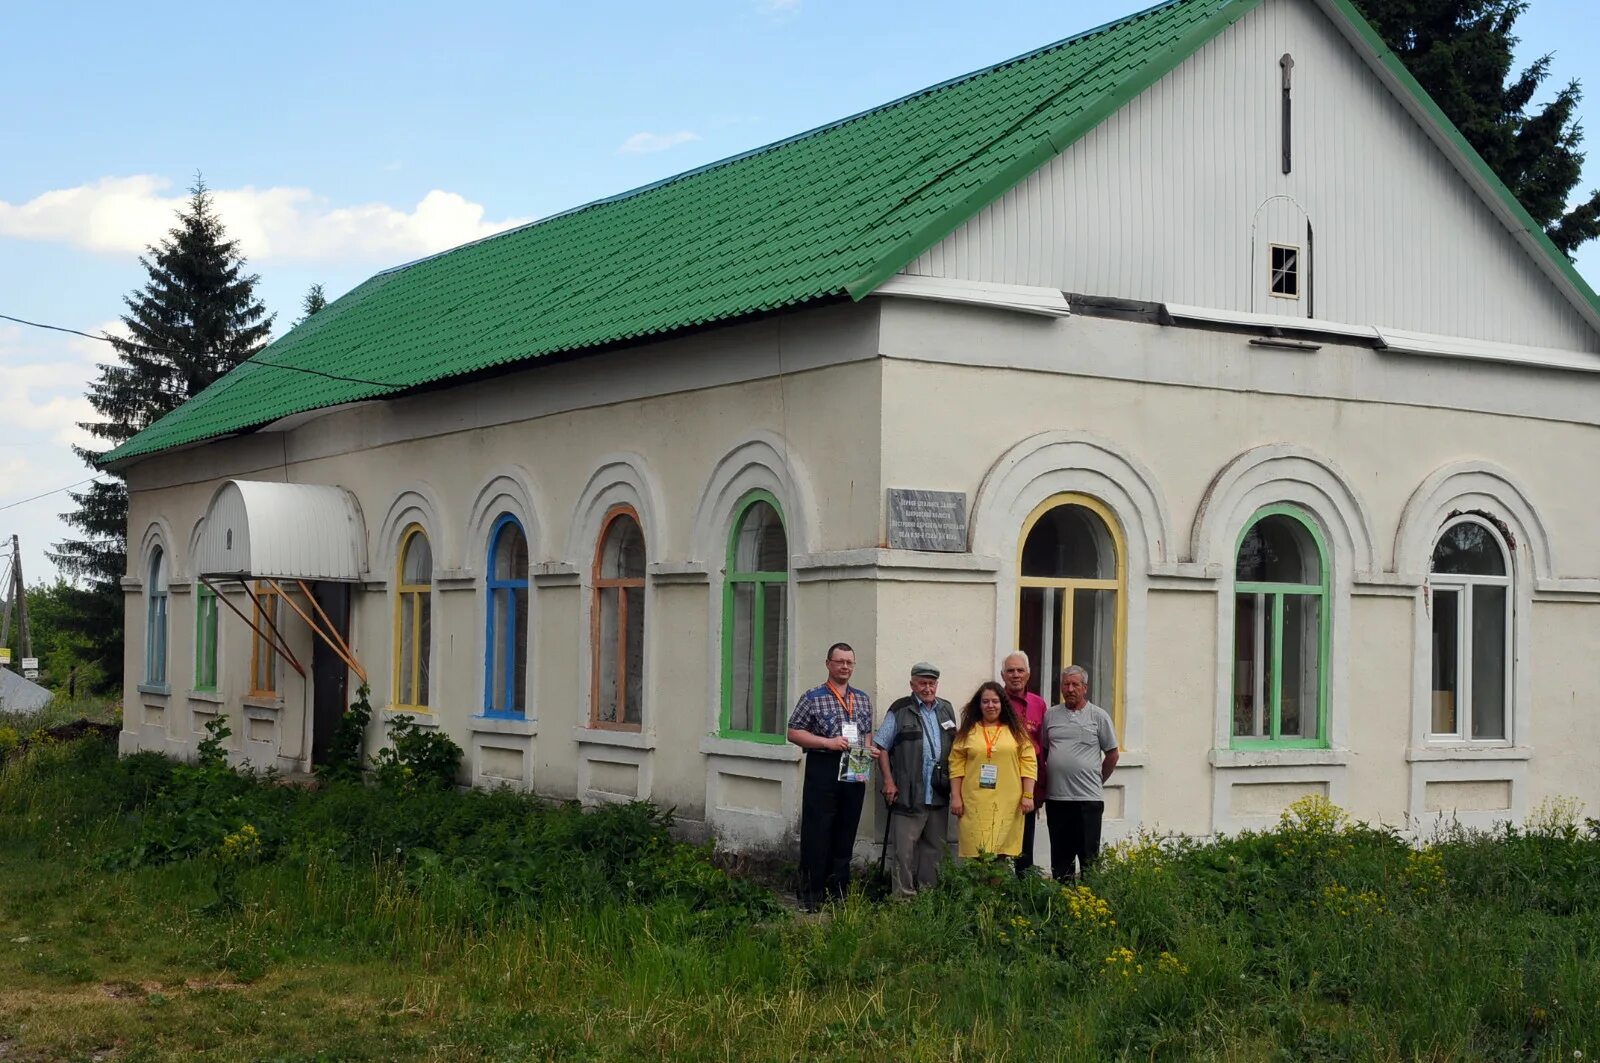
(313, 302)
(68, 653)
(199, 805)
(196, 317)
(417, 758)
(347, 750)
(509, 927)
(1462, 51)
(9, 740)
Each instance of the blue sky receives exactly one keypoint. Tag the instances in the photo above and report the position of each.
(344, 138)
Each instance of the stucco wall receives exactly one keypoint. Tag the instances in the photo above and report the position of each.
(803, 425)
(1036, 417)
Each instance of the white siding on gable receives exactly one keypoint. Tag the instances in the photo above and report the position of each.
(1176, 197)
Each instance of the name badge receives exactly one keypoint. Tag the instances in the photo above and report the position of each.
(988, 776)
(852, 733)
(948, 725)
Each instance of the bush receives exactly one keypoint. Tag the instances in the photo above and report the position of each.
(417, 758)
(347, 750)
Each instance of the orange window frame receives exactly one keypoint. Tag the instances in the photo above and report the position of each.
(601, 584)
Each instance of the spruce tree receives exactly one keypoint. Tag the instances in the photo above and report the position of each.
(313, 302)
(195, 318)
(1461, 52)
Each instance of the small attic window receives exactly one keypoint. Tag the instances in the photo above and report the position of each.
(1285, 279)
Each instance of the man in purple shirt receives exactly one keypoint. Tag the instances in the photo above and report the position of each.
(1015, 672)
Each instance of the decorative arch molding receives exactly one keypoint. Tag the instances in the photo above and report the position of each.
(1488, 489)
(509, 489)
(158, 533)
(415, 505)
(1284, 472)
(1063, 462)
(623, 478)
(1480, 486)
(1051, 464)
(194, 539)
(760, 462)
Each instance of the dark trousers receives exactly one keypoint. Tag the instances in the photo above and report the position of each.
(1025, 858)
(1074, 835)
(830, 811)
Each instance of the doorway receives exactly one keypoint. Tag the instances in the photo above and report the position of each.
(329, 674)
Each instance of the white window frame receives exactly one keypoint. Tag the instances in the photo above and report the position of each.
(1462, 585)
(1297, 273)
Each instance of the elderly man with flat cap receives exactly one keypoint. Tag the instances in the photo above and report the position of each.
(913, 751)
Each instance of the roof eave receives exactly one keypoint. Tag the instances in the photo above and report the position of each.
(1380, 58)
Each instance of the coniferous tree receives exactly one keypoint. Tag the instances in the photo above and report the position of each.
(1461, 52)
(313, 302)
(195, 318)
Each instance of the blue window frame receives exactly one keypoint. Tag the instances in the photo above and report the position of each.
(505, 682)
(155, 632)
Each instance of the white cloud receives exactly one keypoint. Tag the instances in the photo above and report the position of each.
(123, 215)
(641, 143)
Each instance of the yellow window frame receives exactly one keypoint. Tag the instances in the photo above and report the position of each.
(416, 591)
(266, 617)
(1119, 584)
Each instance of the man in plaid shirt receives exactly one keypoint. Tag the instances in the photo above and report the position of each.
(826, 721)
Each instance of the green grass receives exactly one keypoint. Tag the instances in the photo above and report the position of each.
(140, 920)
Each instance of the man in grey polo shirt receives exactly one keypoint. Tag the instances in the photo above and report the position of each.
(1081, 749)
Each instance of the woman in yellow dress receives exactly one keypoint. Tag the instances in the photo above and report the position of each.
(992, 773)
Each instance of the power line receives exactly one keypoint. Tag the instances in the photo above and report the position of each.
(172, 350)
(47, 494)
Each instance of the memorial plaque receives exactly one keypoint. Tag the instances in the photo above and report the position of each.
(927, 520)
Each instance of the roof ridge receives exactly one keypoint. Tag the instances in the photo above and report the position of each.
(793, 138)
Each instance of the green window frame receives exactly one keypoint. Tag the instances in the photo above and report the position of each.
(205, 639)
(1258, 643)
(755, 630)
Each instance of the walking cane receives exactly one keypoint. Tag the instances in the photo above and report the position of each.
(883, 850)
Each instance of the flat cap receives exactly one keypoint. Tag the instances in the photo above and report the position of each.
(924, 668)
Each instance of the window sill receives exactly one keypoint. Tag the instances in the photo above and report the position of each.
(209, 696)
(504, 725)
(717, 746)
(1466, 751)
(270, 702)
(420, 717)
(155, 690)
(600, 736)
(1278, 758)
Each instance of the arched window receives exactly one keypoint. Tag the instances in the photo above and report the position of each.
(506, 655)
(1072, 598)
(413, 620)
(755, 628)
(1280, 644)
(617, 622)
(1470, 600)
(155, 631)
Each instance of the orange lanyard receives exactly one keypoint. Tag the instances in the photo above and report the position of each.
(990, 738)
(849, 706)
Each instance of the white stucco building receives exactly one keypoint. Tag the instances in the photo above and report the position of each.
(1259, 395)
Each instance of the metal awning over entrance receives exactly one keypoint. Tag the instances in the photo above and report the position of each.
(271, 534)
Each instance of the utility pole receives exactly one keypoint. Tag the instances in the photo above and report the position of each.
(18, 603)
(5, 603)
(20, 592)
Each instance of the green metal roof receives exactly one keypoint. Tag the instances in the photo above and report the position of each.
(830, 213)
